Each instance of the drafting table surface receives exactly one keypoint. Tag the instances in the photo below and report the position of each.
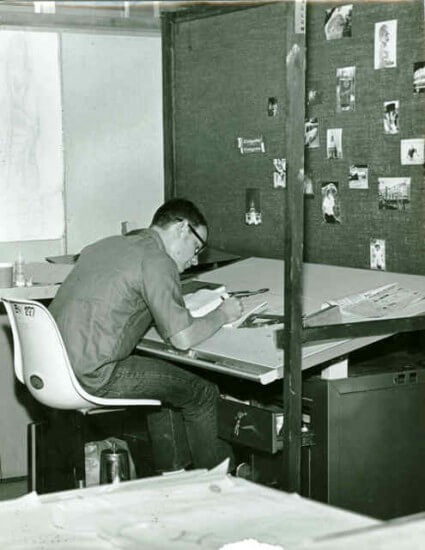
(252, 353)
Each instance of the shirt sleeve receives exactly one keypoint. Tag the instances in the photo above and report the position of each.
(161, 291)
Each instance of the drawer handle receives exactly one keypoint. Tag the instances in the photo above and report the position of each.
(238, 419)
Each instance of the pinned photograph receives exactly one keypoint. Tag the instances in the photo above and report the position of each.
(345, 89)
(391, 117)
(377, 254)
(412, 151)
(272, 106)
(386, 44)
(338, 22)
(358, 177)
(311, 133)
(419, 77)
(279, 174)
(334, 143)
(314, 96)
(393, 193)
(331, 211)
(253, 214)
(251, 145)
(308, 186)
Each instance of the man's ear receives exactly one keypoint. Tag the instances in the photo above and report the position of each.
(179, 228)
(182, 226)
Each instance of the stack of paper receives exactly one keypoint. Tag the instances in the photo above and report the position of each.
(203, 301)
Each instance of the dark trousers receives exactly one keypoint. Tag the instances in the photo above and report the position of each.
(184, 430)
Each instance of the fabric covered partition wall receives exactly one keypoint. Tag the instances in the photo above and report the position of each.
(229, 84)
(363, 123)
(380, 197)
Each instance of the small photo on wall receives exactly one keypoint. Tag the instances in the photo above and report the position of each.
(334, 143)
(412, 151)
(358, 178)
(311, 134)
(338, 22)
(331, 210)
(377, 254)
(314, 95)
(308, 186)
(279, 174)
(253, 214)
(386, 44)
(394, 193)
(391, 117)
(272, 106)
(419, 77)
(345, 89)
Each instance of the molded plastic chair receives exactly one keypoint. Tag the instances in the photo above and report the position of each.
(41, 362)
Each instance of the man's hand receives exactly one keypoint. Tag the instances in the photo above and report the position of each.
(232, 309)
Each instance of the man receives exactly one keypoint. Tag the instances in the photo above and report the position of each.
(119, 286)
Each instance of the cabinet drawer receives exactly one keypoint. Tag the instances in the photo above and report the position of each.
(256, 427)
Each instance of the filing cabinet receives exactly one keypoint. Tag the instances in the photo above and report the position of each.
(369, 430)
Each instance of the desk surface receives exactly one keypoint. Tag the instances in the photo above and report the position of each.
(253, 353)
(46, 278)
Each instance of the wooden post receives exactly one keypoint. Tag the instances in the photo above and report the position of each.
(294, 144)
(167, 29)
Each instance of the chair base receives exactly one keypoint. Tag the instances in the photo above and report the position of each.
(56, 458)
(56, 453)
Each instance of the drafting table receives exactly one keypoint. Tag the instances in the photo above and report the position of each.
(254, 353)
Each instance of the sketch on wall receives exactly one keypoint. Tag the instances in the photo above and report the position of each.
(31, 155)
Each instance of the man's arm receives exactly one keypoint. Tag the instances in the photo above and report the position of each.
(204, 327)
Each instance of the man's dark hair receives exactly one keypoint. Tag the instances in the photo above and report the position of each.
(176, 209)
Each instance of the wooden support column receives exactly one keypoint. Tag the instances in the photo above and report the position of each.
(167, 27)
(294, 145)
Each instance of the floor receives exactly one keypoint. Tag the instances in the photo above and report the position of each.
(13, 488)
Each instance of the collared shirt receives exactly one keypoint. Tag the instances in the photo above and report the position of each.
(107, 303)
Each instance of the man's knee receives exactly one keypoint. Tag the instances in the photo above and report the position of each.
(206, 392)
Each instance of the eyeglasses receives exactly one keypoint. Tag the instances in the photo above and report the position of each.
(198, 249)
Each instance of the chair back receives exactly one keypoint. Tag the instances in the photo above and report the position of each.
(40, 359)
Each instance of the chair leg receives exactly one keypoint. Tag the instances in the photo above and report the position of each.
(37, 456)
(79, 462)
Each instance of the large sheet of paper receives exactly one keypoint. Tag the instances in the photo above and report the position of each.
(31, 155)
(196, 510)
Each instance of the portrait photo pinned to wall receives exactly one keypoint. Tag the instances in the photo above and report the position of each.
(311, 133)
(314, 95)
(391, 117)
(386, 44)
(334, 143)
(253, 214)
(345, 89)
(279, 173)
(412, 151)
(419, 77)
(338, 22)
(393, 193)
(272, 106)
(308, 185)
(331, 211)
(377, 254)
(358, 177)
